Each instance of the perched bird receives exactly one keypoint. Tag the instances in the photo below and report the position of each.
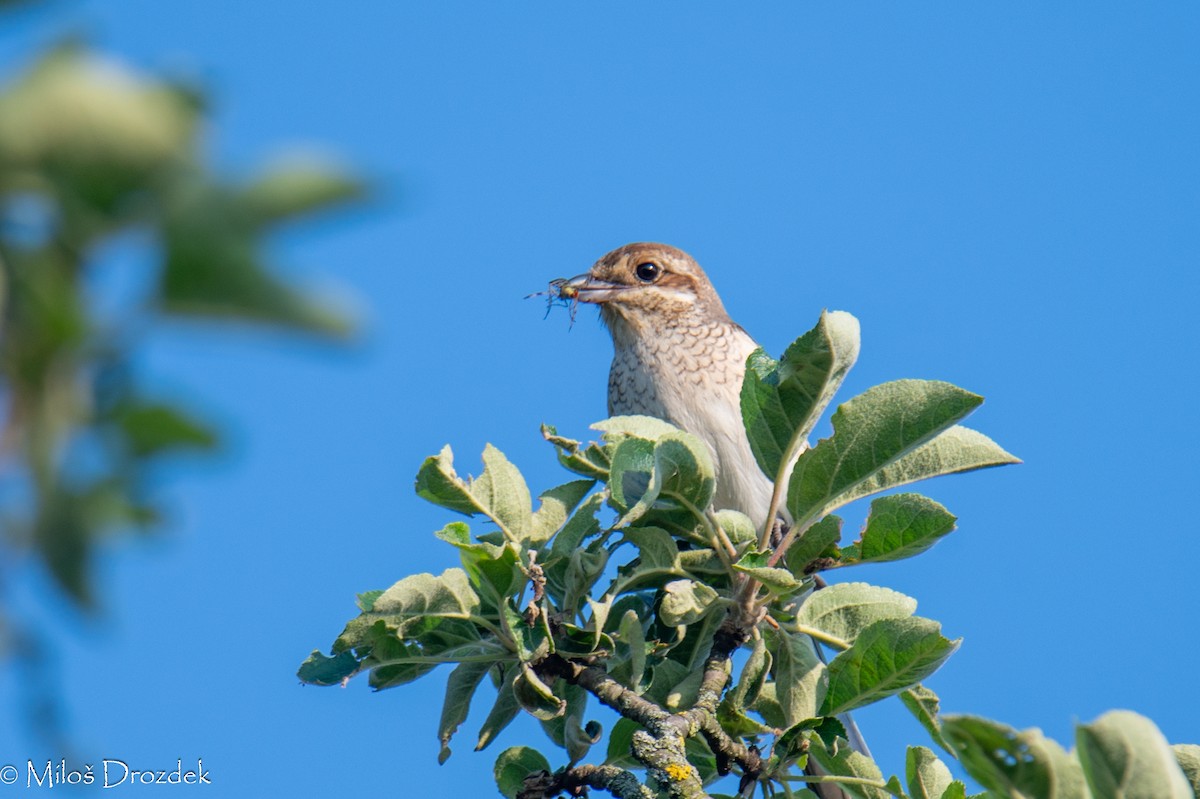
(679, 357)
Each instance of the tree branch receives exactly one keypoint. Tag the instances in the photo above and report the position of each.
(617, 781)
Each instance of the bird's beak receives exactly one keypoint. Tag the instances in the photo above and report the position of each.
(586, 288)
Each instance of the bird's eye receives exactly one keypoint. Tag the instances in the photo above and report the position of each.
(648, 272)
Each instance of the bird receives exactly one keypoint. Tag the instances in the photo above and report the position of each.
(678, 356)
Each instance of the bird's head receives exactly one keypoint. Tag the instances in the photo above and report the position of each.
(649, 284)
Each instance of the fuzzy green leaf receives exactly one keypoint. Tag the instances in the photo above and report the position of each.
(871, 432)
(686, 602)
(800, 676)
(887, 657)
(925, 706)
(900, 526)
(1021, 765)
(782, 400)
(755, 564)
(514, 765)
(500, 492)
(843, 610)
(927, 776)
(1125, 756)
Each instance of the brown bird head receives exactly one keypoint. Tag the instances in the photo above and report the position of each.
(648, 284)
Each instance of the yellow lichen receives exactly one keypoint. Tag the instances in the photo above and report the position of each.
(677, 772)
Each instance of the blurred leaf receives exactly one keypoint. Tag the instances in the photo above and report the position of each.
(1014, 764)
(927, 776)
(299, 185)
(514, 765)
(924, 704)
(900, 526)
(888, 656)
(782, 400)
(872, 431)
(91, 131)
(844, 610)
(840, 760)
(151, 429)
(1125, 756)
(214, 266)
(1188, 757)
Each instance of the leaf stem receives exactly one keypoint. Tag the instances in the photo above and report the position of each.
(819, 635)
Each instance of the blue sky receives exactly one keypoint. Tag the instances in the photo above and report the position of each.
(1006, 196)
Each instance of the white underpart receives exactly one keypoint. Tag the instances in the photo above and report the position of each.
(691, 376)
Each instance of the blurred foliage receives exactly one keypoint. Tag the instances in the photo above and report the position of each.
(91, 150)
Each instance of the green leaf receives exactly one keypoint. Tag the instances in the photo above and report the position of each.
(633, 638)
(591, 461)
(556, 506)
(958, 449)
(569, 730)
(818, 541)
(151, 429)
(844, 610)
(887, 657)
(677, 469)
(685, 602)
(630, 474)
(1125, 756)
(647, 428)
(620, 744)
(535, 697)
(460, 688)
(1188, 757)
(900, 526)
(928, 777)
(582, 525)
(842, 761)
(503, 711)
(320, 669)
(534, 641)
(493, 570)
(414, 600)
(800, 676)
(1021, 765)
(657, 551)
(871, 432)
(782, 400)
(514, 765)
(924, 704)
(753, 563)
(299, 185)
(738, 527)
(214, 265)
(753, 677)
(500, 492)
